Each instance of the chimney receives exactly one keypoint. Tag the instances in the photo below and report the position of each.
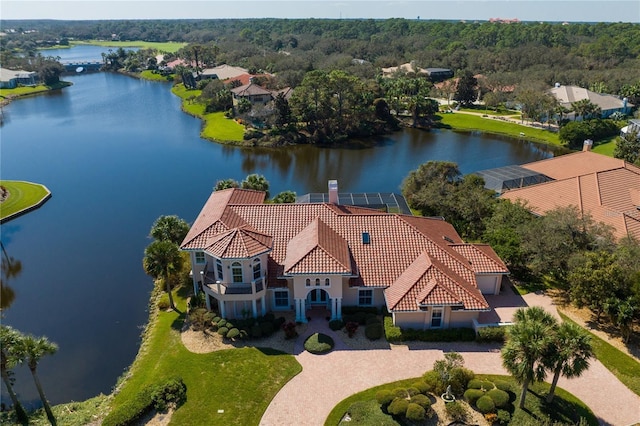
(333, 191)
(586, 146)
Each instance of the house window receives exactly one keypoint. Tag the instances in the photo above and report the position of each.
(317, 282)
(365, 297)
(307, 283)
(281, 298)
(236, 272)
(200, 257)
(256, 269)
(436, 318)
(219, 268)
(327, 283)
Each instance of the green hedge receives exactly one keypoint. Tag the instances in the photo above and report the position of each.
(485, 405)
(492, 334)
(350, 310)
(396, 334)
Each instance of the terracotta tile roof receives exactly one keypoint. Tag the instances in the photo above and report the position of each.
(250, 89)
(238, 243)
(329, 238)
(606, 188)
(315, 249)
(482, 257)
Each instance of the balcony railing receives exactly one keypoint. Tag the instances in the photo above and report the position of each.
(209, 280)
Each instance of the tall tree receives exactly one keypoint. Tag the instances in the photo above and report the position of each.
(162, 260)
(9, 357)
(256, 182)
(226, 184)
(628, 147)
(528, 343)
(466, 92)
(169, 228)
(33, 349)
(569, 354)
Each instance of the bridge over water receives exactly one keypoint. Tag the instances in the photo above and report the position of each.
(79, 66)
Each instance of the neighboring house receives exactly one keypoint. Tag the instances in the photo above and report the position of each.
(249, 258)
(257, 95)
(407, 68)
(633, 126)
(222, 72)
(608, 104)
(606, 188)
(10, 79)
(438, 74)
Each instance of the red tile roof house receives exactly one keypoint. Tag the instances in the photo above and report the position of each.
(251, 257)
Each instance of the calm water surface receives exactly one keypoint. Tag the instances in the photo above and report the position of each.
(117, 153)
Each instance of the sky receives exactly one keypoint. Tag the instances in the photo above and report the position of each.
(470, 10)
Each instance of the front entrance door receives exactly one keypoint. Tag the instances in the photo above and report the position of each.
(317, 297)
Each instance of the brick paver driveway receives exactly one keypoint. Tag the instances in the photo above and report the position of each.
(327, 379)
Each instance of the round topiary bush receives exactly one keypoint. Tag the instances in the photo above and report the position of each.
(398, 407)
(422, 386)
(421, 400)
(223, 331)
(372, 319)
(502, 385)
(216, 319)
(504, 417)
(472, 395)
(500, 398)
(415, 413)
(485, 405)
(479, 384)
(336, 324)
(384, 397)
(233, 333)
(222, 322)
(400, 393)
(373, 331)
(318, 343)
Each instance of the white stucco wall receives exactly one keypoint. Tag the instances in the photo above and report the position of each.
(462, 318)
(489, 284)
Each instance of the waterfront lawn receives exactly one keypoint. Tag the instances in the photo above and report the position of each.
(30, 90)
(154, 76)
(242, 382)
(565, 407)
(22, 195)
(624, 367)
(170, 46)
(470, 122)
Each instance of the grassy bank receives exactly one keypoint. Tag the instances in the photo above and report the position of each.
(468, 122)
(170, 46)
(23, 196)
(216, 126)
(624, 367)
(563, 408)
(154, 76)
(30, 90)
(241, 382)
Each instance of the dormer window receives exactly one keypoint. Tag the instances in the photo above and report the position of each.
(366, 238)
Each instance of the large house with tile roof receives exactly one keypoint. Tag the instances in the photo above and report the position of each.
(608, 104)
(606, 188)
(249, 257)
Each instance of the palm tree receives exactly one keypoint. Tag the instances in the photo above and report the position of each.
(33, 350)
(169, 228)
(161, 260)
(528, 342)
(9, 357)
(256, 182)
(569, 354)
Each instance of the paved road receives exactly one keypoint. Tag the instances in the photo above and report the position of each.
(327, 379)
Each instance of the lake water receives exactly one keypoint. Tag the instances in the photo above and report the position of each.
(116, 153)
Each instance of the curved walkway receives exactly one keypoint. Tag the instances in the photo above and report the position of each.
(326, 380)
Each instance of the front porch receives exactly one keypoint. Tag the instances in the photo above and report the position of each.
(317, 300)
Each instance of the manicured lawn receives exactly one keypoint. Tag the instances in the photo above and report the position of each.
(216, 126)
(564, 408)
(480, 109)
(624, 367)
(150, 75)
(22, 195)
(489, 125)
(30, 90)
(170, 46)
(606, 147)
(242, 382)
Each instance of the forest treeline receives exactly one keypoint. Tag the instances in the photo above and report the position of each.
(575, 53)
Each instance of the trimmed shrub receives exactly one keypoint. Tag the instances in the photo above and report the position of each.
(433, 380)
(230, 325)
(472, 395)
(456, 411)
(336, 324)
(163, 302)
(480, 384)
(289, 329)
(222, 322)
(391, 332)
(233, 333)
(372, 319)
(348, 310)
(244, 334)
(373, 331)
(504, 417)
(277, 323)
(256, 331)
(267, 328)
(384, 397)
(413, 391)
(223, 331)
(209, 316)
(491, 334)
(400, 393)
(270, 317)
(421, 400)
(415, 413)
(459, 379)
(318, 343)
(360, 318)
(502, 385)
(422, 386)
(398, 407)
(500, 398)
(485, 405)
(172, 392)
(131, 411)
(351, 328)
(216, 319)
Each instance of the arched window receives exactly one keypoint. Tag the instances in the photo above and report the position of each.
(317, 282)
(236, 272)
(257, 273)
(308, 282)
(327, 283)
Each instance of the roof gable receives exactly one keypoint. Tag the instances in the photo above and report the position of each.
(238, 243)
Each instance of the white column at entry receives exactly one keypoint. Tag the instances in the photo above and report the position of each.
(221, 304)
(333, 308)
(264, 305)
(339, 308)
(254, 308)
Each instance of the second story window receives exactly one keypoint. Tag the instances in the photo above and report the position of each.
(327, 282)
(236, 272)
(200, 257)
(307, 282)
(219, 268)
(257, 273)
(317, 282)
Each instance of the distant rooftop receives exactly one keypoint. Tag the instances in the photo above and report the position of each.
(390, 202)
(510, 177)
